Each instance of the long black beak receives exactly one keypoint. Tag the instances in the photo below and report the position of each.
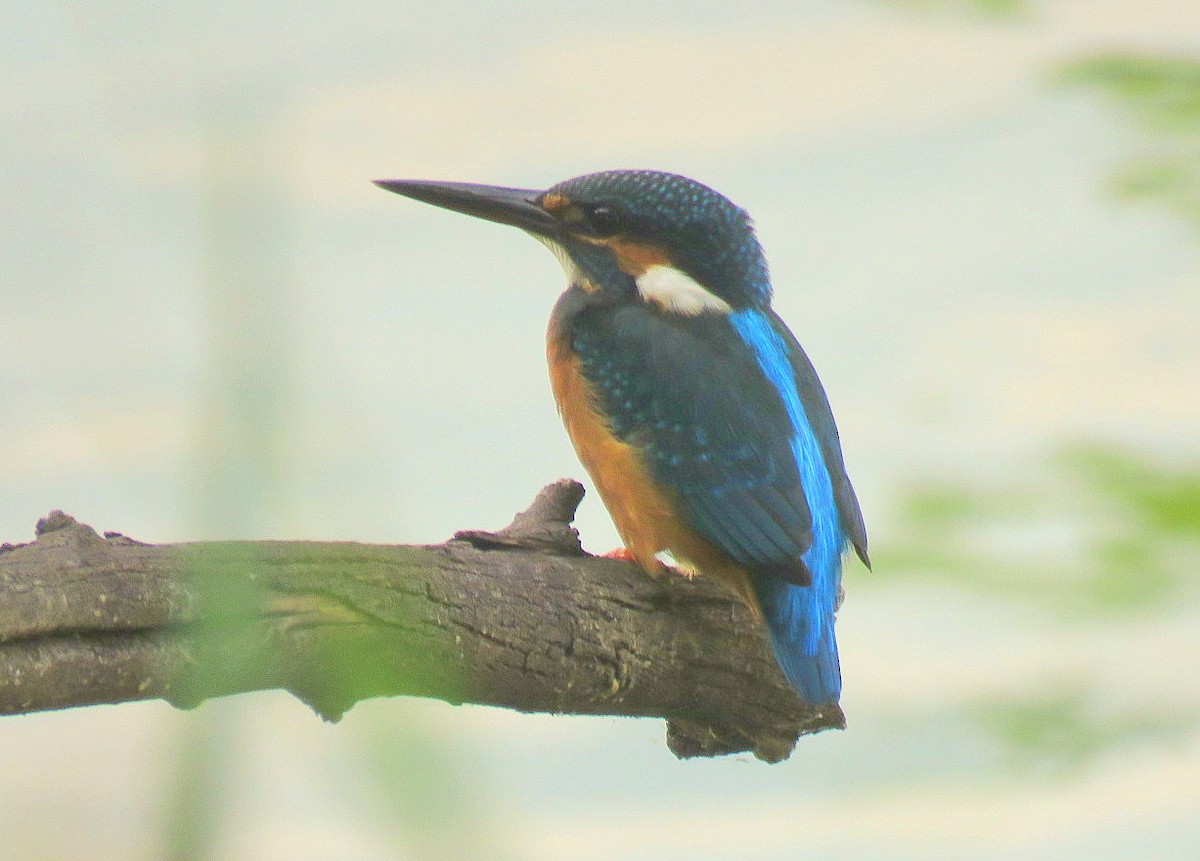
(515, 206)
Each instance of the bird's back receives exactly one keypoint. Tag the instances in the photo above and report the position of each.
(696, 433)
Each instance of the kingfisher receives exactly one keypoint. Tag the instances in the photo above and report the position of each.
(690, 403)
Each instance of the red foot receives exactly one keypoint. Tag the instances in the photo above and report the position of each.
(621, 553)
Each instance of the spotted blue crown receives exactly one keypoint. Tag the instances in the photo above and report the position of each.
(707, 235)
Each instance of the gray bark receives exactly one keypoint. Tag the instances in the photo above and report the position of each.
(520, 618)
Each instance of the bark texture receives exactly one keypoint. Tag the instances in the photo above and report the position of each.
(520, 619)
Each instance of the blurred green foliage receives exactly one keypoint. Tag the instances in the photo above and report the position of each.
(434, 810)
(1099, 538)
(243, 439)
(1064, 730)
(1162, 94)
(1097, 530)
(1164, 500)
(987, 8)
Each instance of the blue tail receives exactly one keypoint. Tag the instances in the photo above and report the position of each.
(802, 634)
(800, 618)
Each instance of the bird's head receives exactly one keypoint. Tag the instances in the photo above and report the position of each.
(628, 235)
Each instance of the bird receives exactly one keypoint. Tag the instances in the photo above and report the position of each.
(692, 406)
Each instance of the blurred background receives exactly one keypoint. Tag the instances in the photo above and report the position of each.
(982, 219)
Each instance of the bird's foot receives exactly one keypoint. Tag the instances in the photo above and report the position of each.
(663, 568)
(622, 553)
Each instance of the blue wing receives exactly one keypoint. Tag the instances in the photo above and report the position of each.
(816, 408)
(728, 412)
(691, 396)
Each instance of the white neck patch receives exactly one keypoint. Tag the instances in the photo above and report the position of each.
(677, 291)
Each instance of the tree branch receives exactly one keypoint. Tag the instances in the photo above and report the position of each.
(520, 618)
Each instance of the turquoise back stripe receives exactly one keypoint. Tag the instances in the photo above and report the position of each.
(823, 558)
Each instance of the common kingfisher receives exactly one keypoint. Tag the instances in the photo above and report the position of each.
(688, 400)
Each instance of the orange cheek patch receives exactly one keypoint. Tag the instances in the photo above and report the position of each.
(554, 202)
(635, 258)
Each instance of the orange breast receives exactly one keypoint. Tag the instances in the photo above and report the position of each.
(645, 514)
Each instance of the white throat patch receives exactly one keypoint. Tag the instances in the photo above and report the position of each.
(677, 291)
(574, 275)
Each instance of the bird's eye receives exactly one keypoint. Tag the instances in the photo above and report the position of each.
(603, 220)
